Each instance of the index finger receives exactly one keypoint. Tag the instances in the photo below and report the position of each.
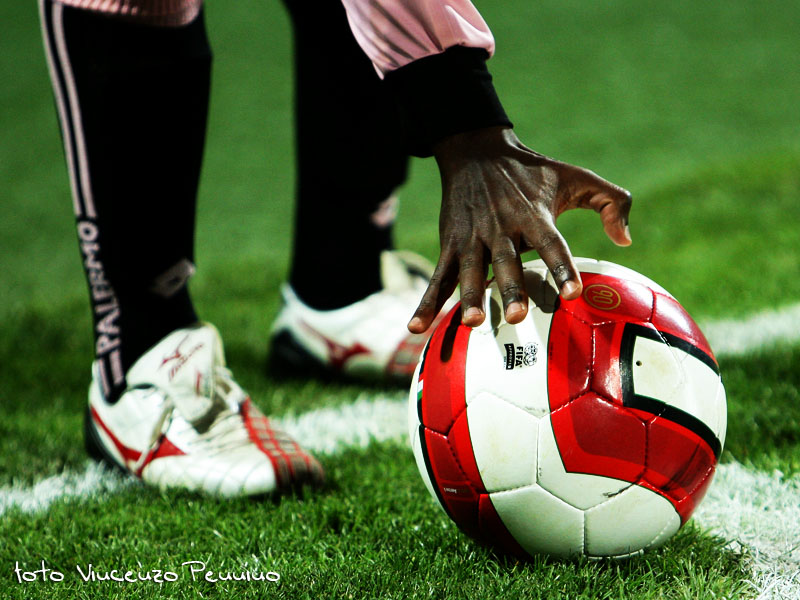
(441, 286)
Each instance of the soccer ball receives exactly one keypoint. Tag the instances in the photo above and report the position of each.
(591, 428)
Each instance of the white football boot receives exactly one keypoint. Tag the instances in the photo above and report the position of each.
(185, 423)
(365, 340)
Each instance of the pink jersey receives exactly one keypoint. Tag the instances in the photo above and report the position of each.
(392, 33)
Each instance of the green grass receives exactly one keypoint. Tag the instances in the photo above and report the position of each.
(764, 409)
(372, 533)
(691, 106)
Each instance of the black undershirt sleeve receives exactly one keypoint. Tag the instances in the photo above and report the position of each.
(445, 94)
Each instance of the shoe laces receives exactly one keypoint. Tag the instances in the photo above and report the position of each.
(219, 430)
(225, 429)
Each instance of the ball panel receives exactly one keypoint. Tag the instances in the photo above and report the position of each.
(591, 265)
(680, 464)
(422, 467)
(675, 377)
(539, 521)
(493, 423)
(605, 379)
(460, 440)
(494, 531)
(722, 405)
(580, 490)
(598, 437)
(416, 433)
(669, 530)
(655, 370)
(606, 299)
(450, 485)
(669, 316)
(629, 522)
(511, 359)
(442, 373)
(414, 396)
(569, 352)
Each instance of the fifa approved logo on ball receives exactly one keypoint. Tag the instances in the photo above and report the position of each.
(520, 356)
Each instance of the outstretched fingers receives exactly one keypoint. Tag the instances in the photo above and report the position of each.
(472, 279)
(554, 251)
(508, 273)
(441, 286)
(471, 275)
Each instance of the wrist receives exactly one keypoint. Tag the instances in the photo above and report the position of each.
(475, 141)
(487, 143)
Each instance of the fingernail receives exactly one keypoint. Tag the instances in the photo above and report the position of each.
(569, 288)
(415, 323)
(628, 233)
(473, 312)
(513, 309)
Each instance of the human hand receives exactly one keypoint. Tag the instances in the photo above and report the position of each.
(500, 199)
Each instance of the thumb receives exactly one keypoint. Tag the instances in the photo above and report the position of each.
(586, 189)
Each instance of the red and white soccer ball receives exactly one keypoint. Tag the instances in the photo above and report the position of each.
(591, 428)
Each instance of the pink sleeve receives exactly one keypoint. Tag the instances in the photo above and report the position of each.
(394, 33)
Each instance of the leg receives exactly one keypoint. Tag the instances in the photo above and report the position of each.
(132, 102)
(349, 161)
(346, 309)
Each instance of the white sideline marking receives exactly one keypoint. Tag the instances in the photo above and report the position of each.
(760, 511)
(328, 430)
(95, 480)
(731, 337)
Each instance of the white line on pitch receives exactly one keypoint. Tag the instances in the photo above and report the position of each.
(757, 331)
(94, 481)
(760, 511)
